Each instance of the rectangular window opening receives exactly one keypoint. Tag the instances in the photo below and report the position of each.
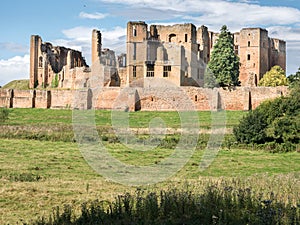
(249, 44)
(150, 70)
(248, 57)
(134, 71)
(167, 70)
(186, 38)
(134, 51)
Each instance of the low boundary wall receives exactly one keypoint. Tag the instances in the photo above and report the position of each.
(146, 99)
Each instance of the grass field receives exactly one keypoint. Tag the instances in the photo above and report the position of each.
(56, 125)
(103, 117)
(17, 84)
(39, 175)
(36, 176)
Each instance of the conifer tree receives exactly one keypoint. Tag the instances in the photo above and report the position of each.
(224, 63)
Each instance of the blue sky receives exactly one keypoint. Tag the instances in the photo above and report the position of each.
(69, 23)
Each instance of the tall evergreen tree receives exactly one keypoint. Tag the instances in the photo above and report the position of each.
(224, 63)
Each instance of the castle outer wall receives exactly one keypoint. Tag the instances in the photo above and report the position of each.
(145, 99)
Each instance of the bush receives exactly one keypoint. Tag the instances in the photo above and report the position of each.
(3, 114)
(275, 122)
(252, 128)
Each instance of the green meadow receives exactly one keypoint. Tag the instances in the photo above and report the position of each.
(41, 166)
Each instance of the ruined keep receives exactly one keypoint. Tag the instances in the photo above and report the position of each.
(140, 79)
(168, 52)
(180, 52)
(177, 53)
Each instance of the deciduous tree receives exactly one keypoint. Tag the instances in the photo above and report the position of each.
(274, 77)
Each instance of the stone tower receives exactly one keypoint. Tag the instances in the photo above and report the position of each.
(204, 42)
(137, 35)
(254, 55)
(96, 46)
(35, 46)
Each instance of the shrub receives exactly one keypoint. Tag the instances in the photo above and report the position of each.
(275, 122)
(252, 128)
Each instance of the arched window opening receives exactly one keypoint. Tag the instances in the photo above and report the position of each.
(172, 37)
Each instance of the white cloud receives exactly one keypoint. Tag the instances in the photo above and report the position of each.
(78, 33)
(14, 69)
(217, 12)
(115, 39)
(282, 22)
(144, 13)
(285, 32)
(94, 16)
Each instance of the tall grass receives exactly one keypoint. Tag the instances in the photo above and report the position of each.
(3, 114)
(217, 204)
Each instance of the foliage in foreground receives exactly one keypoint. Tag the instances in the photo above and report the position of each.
(226, 205)
(274, 123)
(274, 77)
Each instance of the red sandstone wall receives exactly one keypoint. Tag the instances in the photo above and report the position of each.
(61, 99)
(203, 98)
(173, 99)
(5, 97)
(105, 98)
(43, 99)
(23, 99)
(146, 99)
(237, 99)
(260, 94)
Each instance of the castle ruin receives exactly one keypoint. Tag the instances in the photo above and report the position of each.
(176, 54)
